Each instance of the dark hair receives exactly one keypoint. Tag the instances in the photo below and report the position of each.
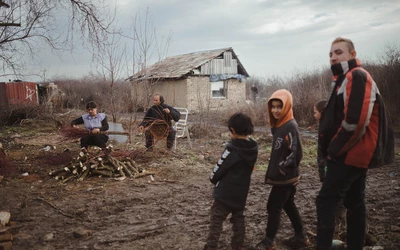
(161, 98)
(241, 123)
(320, 105)
(91, 105)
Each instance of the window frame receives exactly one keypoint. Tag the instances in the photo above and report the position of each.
(216, 86)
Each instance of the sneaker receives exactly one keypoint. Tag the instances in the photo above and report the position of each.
(297, 242)
(265, 244)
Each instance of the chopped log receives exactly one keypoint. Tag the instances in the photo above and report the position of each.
(84, 174)
(105, 167)
(103, 173)
(125, 169)
(6, 237)
(68, 179)
(7, 245)
(117, 165)
(56, 172)
(142, 174)
(132, 168)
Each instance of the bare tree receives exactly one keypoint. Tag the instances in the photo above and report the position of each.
(110, 59)
(30, 24)
(145, 43)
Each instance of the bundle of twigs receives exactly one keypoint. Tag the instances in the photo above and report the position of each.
(74, 133)
(99, 163)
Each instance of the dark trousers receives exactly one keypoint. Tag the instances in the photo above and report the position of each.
(282, 198)
(348, 183)
(98, 140)
(170, 138)
(219, 212)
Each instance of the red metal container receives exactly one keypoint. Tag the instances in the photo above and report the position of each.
(3, 95)
(19, 93)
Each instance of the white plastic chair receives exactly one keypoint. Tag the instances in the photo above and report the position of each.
(181, 126)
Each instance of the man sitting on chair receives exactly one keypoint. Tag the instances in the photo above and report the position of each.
(159, 111)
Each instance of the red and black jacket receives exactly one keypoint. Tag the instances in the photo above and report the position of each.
(355, 126)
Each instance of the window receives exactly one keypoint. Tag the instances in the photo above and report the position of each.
(218, 89)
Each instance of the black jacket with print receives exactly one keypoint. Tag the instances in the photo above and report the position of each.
(283, 168)
(232, 173)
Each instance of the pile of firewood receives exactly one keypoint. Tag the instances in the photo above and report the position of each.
(97, 162)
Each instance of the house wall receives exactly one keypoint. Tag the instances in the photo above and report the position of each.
(140, 91)
(199, 94)
(193, 93)
(173, 91)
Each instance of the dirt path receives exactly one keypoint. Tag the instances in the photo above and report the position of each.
(171, 212)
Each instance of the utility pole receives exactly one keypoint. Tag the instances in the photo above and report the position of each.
(44, 75)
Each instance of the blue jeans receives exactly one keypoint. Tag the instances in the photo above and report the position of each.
(348, 183)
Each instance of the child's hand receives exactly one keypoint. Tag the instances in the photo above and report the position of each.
(321, 173)
(282, 165)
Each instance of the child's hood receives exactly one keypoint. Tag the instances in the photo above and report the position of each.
(247, 149)
(287, 111)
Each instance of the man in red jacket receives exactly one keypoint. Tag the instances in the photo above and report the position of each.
(354, 134)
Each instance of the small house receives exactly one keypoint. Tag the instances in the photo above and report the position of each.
(199, 81)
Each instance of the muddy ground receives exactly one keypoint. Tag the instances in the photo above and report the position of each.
(169, 212)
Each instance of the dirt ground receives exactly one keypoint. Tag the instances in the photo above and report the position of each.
(170, 211)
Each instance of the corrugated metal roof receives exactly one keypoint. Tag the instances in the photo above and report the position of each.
(181, 65)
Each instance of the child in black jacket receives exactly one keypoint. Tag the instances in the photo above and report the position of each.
(231, 176)
(283, 171)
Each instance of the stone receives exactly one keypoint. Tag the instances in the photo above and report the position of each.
(81, 233)
(48, 237)
(4, 217)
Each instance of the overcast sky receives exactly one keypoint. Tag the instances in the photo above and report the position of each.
(271, 38)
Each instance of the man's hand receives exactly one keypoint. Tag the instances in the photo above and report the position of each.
(75, 126)
(140, 129)
(166, 110)
(95, 131)
(322, 163)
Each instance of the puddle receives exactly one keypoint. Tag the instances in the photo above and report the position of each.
(117, 127)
